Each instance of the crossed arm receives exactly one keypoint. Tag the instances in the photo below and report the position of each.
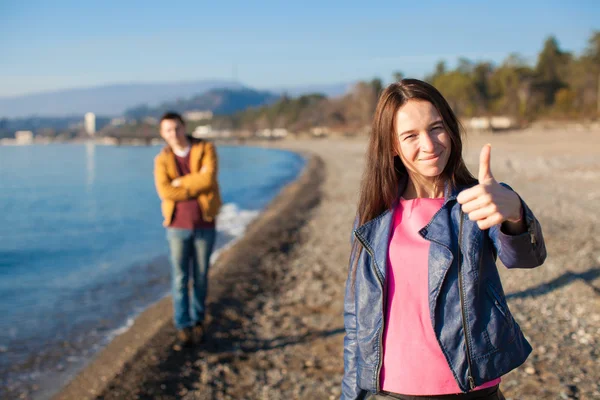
(188, 186)
(203, 180)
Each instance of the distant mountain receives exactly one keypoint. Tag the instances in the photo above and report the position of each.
(110, 100)
(329, 90)
(113, 100)
(219, 101)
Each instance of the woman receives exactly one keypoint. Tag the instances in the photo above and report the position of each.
(424, 312)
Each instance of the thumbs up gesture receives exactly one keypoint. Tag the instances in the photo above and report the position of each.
(490, 203)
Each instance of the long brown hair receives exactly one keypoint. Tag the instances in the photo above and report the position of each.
(384, 168)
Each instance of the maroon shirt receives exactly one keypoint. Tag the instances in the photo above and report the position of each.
(187, 214)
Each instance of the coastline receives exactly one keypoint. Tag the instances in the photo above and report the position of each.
(153, 327)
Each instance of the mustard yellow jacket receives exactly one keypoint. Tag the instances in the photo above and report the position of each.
(200, 184)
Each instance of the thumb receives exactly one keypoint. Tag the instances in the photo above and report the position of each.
(485, 171)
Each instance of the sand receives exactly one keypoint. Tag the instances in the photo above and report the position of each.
(276, 296)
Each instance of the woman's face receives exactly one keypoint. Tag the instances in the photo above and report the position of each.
(423, 142)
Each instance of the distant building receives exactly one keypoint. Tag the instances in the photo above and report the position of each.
(23, 137)
(118, 121)
(492, 123)
(90, 123)
(320, 131)
(150, 120)
(276, 133)
(202, 131)
(197, 115)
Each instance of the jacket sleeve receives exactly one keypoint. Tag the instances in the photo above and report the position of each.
(203, 180)
(526, 250)
(350, 389)
(163, 183)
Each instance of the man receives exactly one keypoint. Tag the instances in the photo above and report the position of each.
(185, 175)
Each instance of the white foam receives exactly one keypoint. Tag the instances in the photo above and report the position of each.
(119, 331)
(233, 221)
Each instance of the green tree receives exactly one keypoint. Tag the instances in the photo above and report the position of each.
(398, 76)
(550, 70)
(377, 86)
(440, 69)
(481, 73)
(460, 91)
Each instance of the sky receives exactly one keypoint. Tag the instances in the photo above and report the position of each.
(50, 45)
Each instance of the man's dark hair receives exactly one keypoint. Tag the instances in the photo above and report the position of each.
(172, 116)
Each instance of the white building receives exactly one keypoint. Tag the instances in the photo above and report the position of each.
(118, 121)
(197, 115)
(277, 133)
(89, 123)
(23, 137)
(150, 120)
(202, 131)
(492, 123)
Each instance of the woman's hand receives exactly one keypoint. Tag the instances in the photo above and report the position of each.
(490, 203)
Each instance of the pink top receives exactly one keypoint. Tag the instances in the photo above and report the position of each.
(413, 362)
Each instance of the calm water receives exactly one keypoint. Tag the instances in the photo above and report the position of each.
(82, 248)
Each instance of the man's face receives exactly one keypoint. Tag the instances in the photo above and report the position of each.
(172, 131)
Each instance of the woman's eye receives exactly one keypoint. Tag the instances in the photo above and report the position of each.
(411, 136)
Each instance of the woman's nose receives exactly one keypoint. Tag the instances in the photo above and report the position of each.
(426, 143)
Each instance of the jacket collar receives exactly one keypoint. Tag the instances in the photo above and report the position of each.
(450, 194)
(375, 234)
(196, 152)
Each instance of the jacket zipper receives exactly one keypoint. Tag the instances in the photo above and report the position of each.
(462, 304)
(380, 279)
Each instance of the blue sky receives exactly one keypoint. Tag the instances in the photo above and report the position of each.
(48, 45)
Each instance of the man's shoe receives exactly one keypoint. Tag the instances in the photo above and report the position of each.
(184, 338)
(198, 331)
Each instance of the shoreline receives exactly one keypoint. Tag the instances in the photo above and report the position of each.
(120, 354)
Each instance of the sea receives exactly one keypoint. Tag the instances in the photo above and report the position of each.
(83, 249)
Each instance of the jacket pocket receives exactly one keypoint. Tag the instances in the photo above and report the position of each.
(210, 203)
(498, 302)
(501, 325)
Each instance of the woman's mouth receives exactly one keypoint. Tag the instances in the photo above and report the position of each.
(432, 157)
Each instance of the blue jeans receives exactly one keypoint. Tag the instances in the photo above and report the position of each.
(190, 252)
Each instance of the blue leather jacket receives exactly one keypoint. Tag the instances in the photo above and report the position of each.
(469, 314)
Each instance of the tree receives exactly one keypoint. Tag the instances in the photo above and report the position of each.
(397, 76)
(481, 73)
(460, 91)
(550, 70)
(465, 66)
(440, 69)
(509, 87)
(593, 50)
(377, 86)
(591, 60)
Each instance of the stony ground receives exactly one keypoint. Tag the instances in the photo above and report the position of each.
(277, 328)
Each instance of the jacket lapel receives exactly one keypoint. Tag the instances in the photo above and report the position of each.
(442, 244)
(444, 241)
(196, 155)
(376, 234)
(172, 170)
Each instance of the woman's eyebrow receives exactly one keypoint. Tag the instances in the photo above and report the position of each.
(409, 131)
(439, 121)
